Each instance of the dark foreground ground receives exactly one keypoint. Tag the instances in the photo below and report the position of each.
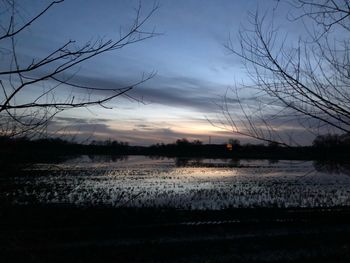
(68, 234)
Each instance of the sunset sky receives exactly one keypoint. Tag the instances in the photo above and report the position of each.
(193, 68)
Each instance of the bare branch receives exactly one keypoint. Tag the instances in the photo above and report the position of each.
(311, 80)
(50, 73)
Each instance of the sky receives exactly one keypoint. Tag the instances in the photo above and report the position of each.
(192, 67)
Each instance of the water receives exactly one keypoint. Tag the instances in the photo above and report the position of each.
(138, 181)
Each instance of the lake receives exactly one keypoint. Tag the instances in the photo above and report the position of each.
(140, 181)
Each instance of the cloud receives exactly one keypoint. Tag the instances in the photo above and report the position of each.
(72, 120)
(178, 91)
(181, 91)
(77, 127)
(141, 134)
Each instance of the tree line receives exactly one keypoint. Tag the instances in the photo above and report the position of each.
(323, 147)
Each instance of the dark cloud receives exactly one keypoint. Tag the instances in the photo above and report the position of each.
(72, 120)
(170, 91)
(182, 91)
(78, 127)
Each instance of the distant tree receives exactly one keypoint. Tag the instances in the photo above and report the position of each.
(197, 142)
(107, 142)
(306, 82)
(182, 142)
(52, 72)
(234, 142)
(345, 139)
(185, 142)
(331, 140)
(273, 144)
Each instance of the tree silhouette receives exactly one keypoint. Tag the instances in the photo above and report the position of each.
(52, 72)
(306, 81)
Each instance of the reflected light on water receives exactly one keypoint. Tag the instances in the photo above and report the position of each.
(138, 181)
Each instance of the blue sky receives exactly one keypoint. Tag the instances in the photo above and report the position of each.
(193, 68)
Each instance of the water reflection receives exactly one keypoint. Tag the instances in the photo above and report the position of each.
(332, 167)
(273, 161)
(235, 162)
(108, 158)
(199, 183)
(185, 162)
(203, 162)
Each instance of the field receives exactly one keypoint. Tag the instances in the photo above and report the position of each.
(137, 209)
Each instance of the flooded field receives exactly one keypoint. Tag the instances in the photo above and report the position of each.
(138, 181)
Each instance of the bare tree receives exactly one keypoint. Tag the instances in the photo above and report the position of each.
(303, 81)
(53, 72)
